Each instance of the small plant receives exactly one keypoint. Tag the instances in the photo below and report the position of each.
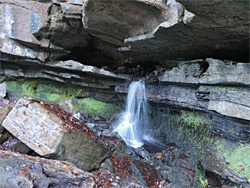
(204, 182)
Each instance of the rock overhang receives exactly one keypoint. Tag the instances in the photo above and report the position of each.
(152, 32)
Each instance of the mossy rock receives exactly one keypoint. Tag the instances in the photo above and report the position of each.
(236, 156)
(95, 107)
(80, 99)
(195, 120)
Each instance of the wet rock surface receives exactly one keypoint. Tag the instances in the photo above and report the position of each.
(220, 159)
(163, 163)
(218, 164)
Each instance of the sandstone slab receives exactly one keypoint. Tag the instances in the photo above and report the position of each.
(17, 170)
(49, 135)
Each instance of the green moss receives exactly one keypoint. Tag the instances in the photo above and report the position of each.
(95, 107)
(194, 120)
(2, 79)
(237, 155)
(52, 92)
(191, 133)
(54, 97)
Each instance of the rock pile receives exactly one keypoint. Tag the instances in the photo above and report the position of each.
(53, 133)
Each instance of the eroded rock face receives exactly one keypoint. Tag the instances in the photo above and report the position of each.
(219, 154)
(95, 31)
(68, 72)
(20, 42)
(169, 30)
(114, 24)
(40, 31)
(50, 136)
(17, 170)
(230, 100)
(210, 71)
(141, 18)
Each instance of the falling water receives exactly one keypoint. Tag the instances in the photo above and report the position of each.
(133, 122)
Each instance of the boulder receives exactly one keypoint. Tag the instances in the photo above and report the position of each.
(18, 170)
(51, 132)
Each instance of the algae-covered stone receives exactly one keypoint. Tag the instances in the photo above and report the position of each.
(195, 120)
(46, 134)
(70, 98)
(230, 160)
(95, 107)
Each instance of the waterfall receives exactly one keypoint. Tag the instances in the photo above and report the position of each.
(133, 122)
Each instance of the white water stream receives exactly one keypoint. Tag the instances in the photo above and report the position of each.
(133, 122)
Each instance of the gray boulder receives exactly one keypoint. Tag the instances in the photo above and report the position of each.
(51, 136)
(17, 170)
